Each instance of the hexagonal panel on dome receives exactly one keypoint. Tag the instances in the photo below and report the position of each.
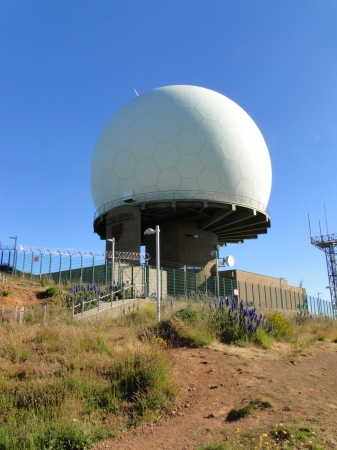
(226, 190)
(232, 147)
(144, 106)
(150, 189)
(188, 118)
(169, 180)
(189, 166)
(125, 164)
(143, 146)
(185, 100)
(164, 110)
(95, 176)
(98, 152)
(107, 158)
(126, 119)
(245, 188)
(123, 139)
(110, 183)
(100, 198)
(231, 124)
(189, 184)
(146, 173)
(108, 134)
(209, 110)
(259, 184)
(230, 173)
(211, 155)
(189, 141)
(166, 155)
(209, 180)
(212, 131)
(249, 166)
(164, 131)
(126, 184)
(143, 123)
(161, 95)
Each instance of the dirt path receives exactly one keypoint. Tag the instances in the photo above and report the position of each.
(214, 380)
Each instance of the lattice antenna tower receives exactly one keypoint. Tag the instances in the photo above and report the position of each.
(328, 244)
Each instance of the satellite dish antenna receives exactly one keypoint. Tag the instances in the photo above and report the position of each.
(229, 261)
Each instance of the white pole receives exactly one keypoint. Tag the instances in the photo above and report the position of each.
(113, 262)
(158, 271)
(217, 273)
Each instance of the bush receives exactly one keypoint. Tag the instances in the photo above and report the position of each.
(48, 293)
(187, 314)
(281, 325)
(255, 403)
(177, 334)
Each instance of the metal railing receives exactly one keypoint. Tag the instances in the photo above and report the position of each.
(167, 196)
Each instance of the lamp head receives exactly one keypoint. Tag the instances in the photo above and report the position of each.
(149, 231)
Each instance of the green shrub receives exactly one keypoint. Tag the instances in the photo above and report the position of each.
(187, 314)
(255, 403)
(263, 339)
(6, 293)
(178, 334)
(48, 293)
(213, 446)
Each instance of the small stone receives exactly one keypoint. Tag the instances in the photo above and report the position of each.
(214, 386)
(210, 416)
(203, 362)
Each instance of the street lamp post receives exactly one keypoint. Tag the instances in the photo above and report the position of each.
(14, 259)
(112, 266)
(216, 252)
(147, 232)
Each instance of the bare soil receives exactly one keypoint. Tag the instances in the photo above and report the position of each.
(23, 292)
(214, 380)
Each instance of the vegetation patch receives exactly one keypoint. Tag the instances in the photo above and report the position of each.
(68, 386)
(246, 410)
(176, 333)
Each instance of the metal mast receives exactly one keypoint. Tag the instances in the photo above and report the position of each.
(328, 244)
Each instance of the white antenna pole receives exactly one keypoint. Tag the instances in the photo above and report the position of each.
(326, 220)
(309, 226)
(136, 92)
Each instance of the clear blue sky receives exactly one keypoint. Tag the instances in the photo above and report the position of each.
(68, 66)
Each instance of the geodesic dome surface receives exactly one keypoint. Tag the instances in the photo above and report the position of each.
(181, 138)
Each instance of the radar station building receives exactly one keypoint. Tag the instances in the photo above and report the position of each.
(187, 159)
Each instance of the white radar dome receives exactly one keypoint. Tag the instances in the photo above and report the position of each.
(185, 139)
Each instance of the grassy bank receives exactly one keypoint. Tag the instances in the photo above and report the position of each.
(71, 384)
(68, 386)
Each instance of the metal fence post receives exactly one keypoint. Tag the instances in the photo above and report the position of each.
(50, 258)
(93, 270)
(41, 255)
(70, 267)
(60, 267)
(258, 291)
(31, 266)
(23, 264)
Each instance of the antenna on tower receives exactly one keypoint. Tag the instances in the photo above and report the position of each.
(136, 92)
(326, 220)
(309, 226)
